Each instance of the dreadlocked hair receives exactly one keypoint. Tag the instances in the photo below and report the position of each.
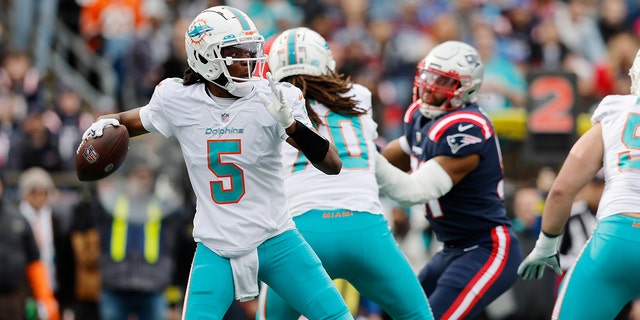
(329, 90)
(191, 77)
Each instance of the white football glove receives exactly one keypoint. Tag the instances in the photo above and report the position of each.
(277, 106)
(96, 128)
(544, 254)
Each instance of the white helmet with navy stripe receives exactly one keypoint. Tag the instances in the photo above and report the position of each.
(220, 36)
(448, 78)
(300, 51)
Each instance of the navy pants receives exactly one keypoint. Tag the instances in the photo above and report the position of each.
(461, 280)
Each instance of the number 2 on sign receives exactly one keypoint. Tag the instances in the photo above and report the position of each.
(553, 99)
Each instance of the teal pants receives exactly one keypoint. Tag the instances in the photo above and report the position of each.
(605, 277)
(360, 248)
(287, 264)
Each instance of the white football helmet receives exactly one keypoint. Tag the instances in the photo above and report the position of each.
(448, 78)
(220, 36)
(300, 51)
(634, 74)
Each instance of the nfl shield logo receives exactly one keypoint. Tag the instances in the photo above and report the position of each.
(224, 117)
(91, 155)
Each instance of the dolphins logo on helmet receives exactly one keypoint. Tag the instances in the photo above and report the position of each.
(219, 37)
(197, 30)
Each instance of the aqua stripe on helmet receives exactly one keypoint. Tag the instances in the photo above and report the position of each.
(243, 22)
(291, 45)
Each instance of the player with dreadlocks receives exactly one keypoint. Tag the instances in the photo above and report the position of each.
(340, 216)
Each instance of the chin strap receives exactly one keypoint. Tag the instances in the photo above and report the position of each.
(238, 89)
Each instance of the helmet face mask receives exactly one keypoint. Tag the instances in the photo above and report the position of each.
(220, 37)
(300, 51)
(448, 78)
(249, 55)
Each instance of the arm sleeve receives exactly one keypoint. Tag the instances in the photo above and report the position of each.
(427, 183)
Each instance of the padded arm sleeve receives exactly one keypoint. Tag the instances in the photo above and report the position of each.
(429, 182)
(313, 145)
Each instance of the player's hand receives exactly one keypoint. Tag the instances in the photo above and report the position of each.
(544, 254)
(96, 128)
(277, 106)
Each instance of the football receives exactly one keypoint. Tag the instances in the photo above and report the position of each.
(99, 157)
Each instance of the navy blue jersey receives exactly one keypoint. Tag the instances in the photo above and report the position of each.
(475, 205)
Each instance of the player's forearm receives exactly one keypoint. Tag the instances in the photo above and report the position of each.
(580, 166)
(130, 119)
(394, 153)
(320, 152)
(427, 183)
(556, 211)
(331, 164)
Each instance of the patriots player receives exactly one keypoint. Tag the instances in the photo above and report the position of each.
(340, 216)
(230, 126)
(457, 171)
(604, 277)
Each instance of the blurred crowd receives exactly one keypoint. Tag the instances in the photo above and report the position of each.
(378, 43)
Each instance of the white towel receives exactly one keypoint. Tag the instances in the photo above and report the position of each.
(245, 275)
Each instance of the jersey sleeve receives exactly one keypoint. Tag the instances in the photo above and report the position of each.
(410, 116)
(460, 135)
(153, 115)
(608, 105)
(363, 96)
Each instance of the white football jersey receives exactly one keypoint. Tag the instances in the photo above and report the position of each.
(233, 157)
(355, 187)
(620, 119)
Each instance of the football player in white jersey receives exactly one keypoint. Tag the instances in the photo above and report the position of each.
(605, 277)
(340, 216)
(230, 125)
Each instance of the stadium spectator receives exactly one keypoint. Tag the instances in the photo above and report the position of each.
(50, 229)
(23, 273)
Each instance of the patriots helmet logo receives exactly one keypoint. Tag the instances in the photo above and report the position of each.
(473, 60)
(460, 140)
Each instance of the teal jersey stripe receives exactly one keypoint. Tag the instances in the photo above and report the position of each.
(292, 47)
(241, 19)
